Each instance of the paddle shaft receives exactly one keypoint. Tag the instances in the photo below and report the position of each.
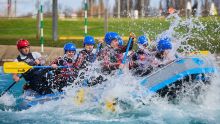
(98, 48)
(127, 49)
(50, 66)
(9, 87)
(125, 56)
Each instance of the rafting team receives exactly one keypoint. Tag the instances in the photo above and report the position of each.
(77, 66)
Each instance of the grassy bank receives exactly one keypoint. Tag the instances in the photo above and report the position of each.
(13, 29)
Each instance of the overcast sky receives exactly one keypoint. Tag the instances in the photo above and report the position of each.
(28, 6)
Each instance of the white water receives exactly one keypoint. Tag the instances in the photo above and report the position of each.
(156, 110)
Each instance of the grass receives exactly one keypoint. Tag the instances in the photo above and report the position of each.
(13, 29)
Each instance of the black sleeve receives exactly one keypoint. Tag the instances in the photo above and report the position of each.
(134, 57)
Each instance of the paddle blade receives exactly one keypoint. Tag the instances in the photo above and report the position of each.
(110, 106)
(16, 67)
(80, 97)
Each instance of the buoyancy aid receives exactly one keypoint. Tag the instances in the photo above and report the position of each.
(35, 77)
(29, 59)
(85, 58)
(66, 74)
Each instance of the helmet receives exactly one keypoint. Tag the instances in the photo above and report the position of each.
(22, 43)
(109, 36)
(164, 44)
(69, 47)
(120, 41)
(89, 40)
(142, 40)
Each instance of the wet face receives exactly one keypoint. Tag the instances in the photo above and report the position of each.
(89, 48)
(165, 53)
(25, 50)
(70, 54)
(142, 57)
(114, 43)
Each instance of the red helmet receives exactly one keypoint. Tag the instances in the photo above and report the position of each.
(22, 43)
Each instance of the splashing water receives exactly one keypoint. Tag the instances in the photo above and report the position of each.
(155, 110)
(7, 100)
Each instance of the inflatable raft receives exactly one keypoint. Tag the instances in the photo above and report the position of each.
(29, 101)
(178, 74)
(165, 81)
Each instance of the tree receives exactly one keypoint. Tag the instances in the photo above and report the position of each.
(206, 6)
(100, 8)
(217, 4)
(182, 6)
(47, 8)
(91, 9)
(125, 7)
(68, 11)
(164, 6)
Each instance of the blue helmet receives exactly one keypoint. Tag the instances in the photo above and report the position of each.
(89, 40)
(69, 47)
(109, 36)
(120, 41)
(142, 40)
(164, 44)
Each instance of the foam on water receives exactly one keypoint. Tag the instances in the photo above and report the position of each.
(8, 100)
(156, 110)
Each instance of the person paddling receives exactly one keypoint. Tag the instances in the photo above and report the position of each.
(111, 55)
(163, 54)
(141, 60)
(35, 80)
(84, 62)
(62, 77)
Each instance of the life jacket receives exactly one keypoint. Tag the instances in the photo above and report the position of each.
(30, 61)
(34, 77)
(65, 61)
(90, 56)
(83, 63)
(140, 59)
(84, 59)
(159, 56)
(110, 59)
(66, 73)
(161, 59)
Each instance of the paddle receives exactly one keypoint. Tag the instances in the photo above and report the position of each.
(6, 90)
(132, 35)
(80, 94)
(110, 105)
(98, 48)
(21, 67)
(79, 97)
